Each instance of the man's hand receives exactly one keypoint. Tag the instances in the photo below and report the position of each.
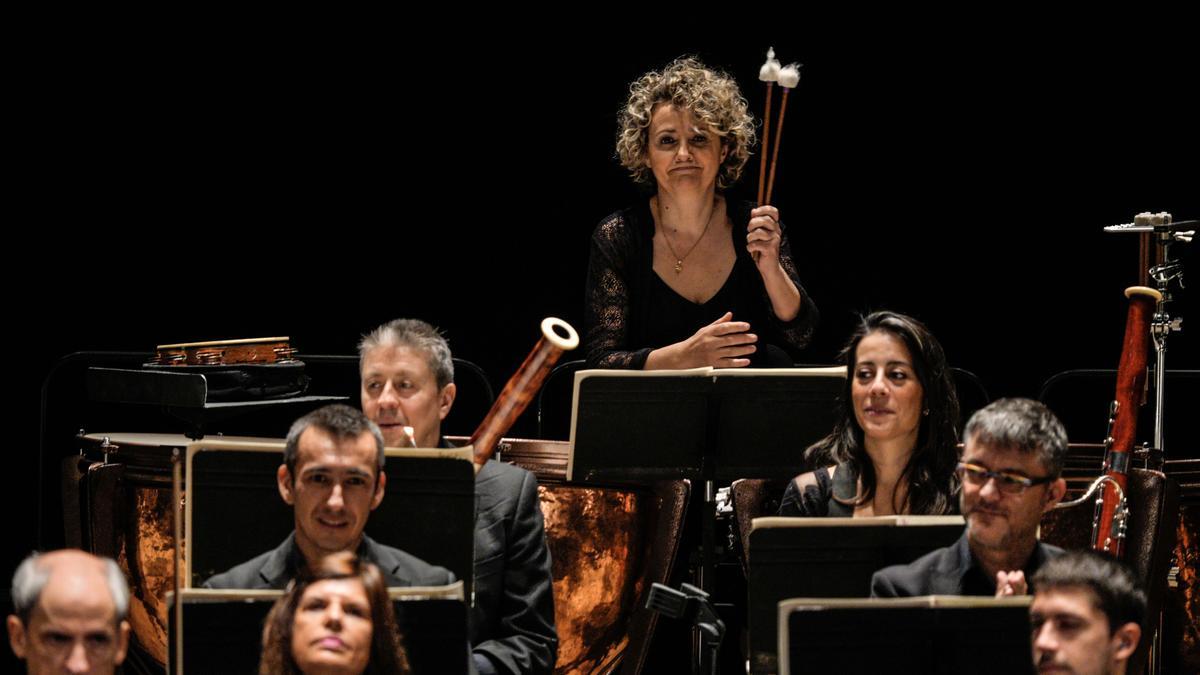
(1011, 583)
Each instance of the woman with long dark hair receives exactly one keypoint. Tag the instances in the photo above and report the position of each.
(894, 448)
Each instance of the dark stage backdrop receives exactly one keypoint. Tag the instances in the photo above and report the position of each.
(184, 189)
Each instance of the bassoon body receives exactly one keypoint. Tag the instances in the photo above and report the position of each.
(1111, 514)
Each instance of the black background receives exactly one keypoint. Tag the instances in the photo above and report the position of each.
(183, 184)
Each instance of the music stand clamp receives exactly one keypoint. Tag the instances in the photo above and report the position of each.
(692, 605)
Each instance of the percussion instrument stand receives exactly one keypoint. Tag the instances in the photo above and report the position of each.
(692, 605)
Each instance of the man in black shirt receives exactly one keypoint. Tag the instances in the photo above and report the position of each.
(1011, 474)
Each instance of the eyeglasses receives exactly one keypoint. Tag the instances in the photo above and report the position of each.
(1007, 482)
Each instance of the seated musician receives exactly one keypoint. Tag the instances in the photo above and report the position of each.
(1011, 474)
(1086, 615)
(338, 619)
(686, 278)
(408, 380)
(69, 613)
(332, 475)
(893, 449)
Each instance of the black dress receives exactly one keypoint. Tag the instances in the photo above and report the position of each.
(817, 501)
(631, 311)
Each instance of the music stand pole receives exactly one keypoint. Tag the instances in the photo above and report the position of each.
(1163, 325)
(709, 515)
(706, 572)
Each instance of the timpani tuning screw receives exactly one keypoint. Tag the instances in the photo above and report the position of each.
(108, 447)
(210, 357)
(168, 358)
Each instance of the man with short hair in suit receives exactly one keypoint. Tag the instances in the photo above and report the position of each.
(332, 475)
(408, 380)
(1010, 470)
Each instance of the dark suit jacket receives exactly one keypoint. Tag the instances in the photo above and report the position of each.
(512, 621)
(274, 569)
(947, 571)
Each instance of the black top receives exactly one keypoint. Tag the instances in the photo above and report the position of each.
(672, 316)
(949, 571)
(631, 311)
(817, 501)
(275, 568)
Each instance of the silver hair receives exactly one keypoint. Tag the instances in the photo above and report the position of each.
(418, 336)
(1024, 425)
(338, 419)
(31, 577)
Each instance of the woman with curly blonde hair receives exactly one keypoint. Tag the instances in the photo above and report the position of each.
(661, 271)
(337, 619)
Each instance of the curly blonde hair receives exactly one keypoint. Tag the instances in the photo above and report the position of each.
(713, 99)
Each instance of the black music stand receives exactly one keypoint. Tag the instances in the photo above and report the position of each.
(638, 425)
(222, 630)
(704, 423)
(827, 558)
(930, 634)
(759, 408)
(234, 511)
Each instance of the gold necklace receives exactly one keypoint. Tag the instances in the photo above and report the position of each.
(680, 258)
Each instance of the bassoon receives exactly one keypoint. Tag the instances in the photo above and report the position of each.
(1112, 511)
(557, 337)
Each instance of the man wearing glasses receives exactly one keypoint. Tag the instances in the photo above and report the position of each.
(1010, 473)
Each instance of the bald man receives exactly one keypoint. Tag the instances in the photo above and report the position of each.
(70, 613)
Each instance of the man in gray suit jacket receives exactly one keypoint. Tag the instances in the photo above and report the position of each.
(332, 475)
(408, 381)
(1011, 474)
